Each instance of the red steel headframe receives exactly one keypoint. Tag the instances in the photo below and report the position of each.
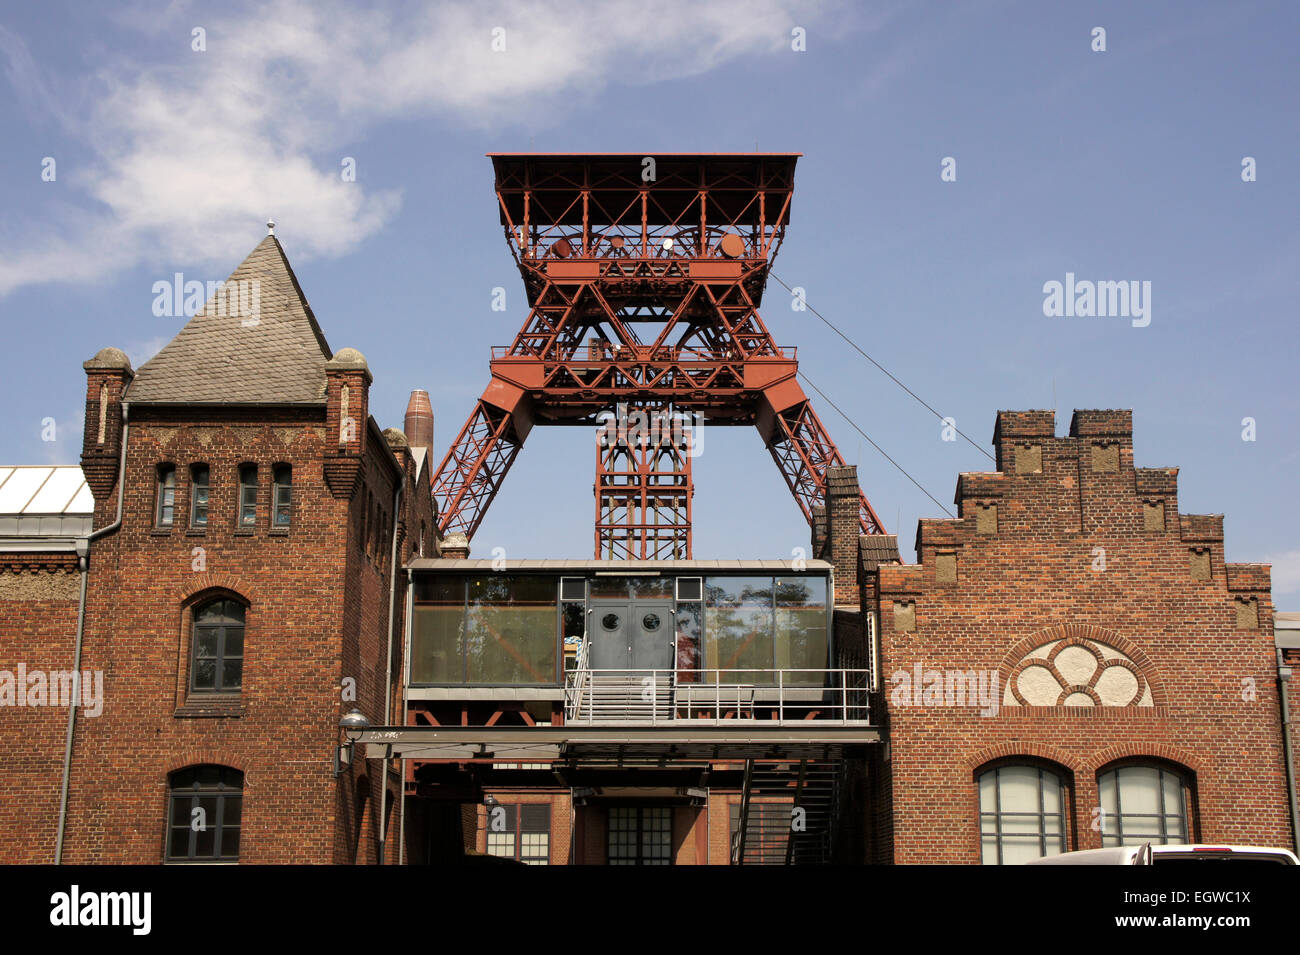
(644, 274)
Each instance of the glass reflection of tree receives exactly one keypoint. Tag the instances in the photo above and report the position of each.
(792, 599)
(739, 623)
(494, 618)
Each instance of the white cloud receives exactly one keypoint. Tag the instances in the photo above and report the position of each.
(189, 154)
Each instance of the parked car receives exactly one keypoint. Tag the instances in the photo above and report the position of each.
(1147, 854)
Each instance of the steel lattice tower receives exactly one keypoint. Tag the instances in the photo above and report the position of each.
(644, 275)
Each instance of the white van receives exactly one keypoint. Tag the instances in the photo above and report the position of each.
(1147, 854)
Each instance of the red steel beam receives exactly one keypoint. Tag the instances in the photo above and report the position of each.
(603, 250)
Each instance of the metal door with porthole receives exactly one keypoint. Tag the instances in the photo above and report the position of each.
(609, 640)
(635, 636)
(652, 631)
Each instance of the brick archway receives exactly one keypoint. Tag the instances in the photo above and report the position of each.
(1027, 748)
(1180, 757)
(207, 581)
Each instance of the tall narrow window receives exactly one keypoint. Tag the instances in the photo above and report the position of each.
(199, 495)
(282, 496)
(217, 658)
(248, 495)
(205, 814)
(165, 513)
(1022, 814)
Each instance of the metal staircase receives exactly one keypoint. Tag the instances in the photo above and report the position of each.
(768, 827)
(618, 696)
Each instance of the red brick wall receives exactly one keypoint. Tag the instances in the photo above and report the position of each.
(1037, 574)
(38, 610)
(317, 612)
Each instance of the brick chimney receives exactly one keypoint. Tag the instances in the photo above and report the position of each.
(347, 415)
(842, 505)
(419, 422)
(107, 376)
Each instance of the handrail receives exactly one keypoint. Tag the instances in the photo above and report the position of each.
(574, 679)
(838, 694)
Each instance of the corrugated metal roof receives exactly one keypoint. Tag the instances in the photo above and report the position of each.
(44, 501)
(616, 566)
(44, 489)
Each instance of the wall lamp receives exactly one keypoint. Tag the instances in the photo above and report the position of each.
(353, 725)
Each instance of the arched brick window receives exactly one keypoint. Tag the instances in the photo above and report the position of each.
(1022, 812)
(217, 647)
(205, 814)
(1143, 802)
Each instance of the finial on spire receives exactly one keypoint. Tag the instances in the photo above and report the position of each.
(270, 227)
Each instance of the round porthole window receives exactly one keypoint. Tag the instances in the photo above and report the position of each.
(609, 621)
(650, 622)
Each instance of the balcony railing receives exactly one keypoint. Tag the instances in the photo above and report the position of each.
(714, 696)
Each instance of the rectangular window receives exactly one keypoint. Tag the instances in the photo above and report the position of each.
(521, 832)
(738, 624)
(499, 630)
(641, 835)
(690, 588)
(165, 514)
(535, 834)
(282, 496)
(438, 631)
(248, 495)
(199, 496)
(802, 613)
(620, 587)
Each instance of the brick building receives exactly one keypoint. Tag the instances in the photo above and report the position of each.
(1070, 662)
(248, 517)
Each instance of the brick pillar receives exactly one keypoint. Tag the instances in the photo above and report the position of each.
(842, 505)
(1019, 437)
(347, 414)
(455, 546)
(107, 376)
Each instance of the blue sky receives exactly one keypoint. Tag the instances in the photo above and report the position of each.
(1116, 165)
